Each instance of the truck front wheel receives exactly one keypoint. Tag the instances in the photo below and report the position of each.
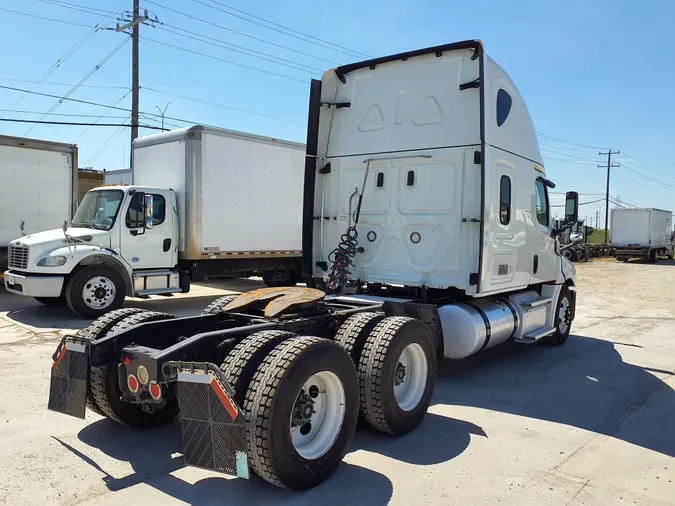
(94, 291)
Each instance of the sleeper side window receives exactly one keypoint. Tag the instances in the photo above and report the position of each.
(505, 200)
(541, 202)
(504, 102)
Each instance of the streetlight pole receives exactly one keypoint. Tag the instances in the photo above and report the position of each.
(163, 113)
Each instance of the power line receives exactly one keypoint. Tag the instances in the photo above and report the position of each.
(48, 83)
(73, 23)
(72, 123)
(303, 81)
(243, 34)
(105, 146)
(582, 203)
(567, 154)
(105, 114)
(74, 88)
(242, 50)
(63, 58)
(294, 33)
(73, 6)
(63, 114)
(568, 141)
(206, 102)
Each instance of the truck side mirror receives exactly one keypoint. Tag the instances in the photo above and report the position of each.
(571, 207)
(148, 203)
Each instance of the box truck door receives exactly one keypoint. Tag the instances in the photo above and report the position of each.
(149, 248)
(403, 135)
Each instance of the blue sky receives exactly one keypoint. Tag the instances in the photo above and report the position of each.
(595, 72)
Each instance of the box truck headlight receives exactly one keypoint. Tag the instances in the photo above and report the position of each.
(54, 261)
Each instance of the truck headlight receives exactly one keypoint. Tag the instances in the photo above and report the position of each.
(54, 261)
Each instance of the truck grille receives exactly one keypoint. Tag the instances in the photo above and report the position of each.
(18, 257)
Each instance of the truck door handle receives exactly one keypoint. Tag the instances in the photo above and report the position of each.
(166, 246)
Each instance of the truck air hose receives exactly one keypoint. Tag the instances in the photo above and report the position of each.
(343, 256)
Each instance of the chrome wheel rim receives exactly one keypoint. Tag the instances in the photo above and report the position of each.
(564, 315)
(99, 292)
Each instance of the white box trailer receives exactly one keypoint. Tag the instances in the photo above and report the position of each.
(204, 202)
(644, 233)
(120, 177)
(38, 187)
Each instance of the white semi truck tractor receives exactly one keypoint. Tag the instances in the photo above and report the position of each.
(423, 184)
(204, 202)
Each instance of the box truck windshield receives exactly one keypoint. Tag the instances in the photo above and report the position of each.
(98, 209)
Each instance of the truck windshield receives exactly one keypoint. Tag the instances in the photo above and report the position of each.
(98, 209)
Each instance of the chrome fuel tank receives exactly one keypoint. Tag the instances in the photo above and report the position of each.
(469, 327)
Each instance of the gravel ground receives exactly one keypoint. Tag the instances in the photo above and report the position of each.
(585, 424)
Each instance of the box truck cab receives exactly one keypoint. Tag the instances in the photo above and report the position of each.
(121, 241)
(210, 216)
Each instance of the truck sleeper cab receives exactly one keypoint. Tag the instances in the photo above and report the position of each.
(445, 222)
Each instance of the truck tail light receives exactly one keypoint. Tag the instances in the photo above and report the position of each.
(155, 391)
(132, 383)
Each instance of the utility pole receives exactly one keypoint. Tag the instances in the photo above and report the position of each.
(163, 113)
(609, 166)
(134, 20)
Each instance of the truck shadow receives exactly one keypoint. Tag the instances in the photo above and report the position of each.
(154, 455)
(27, 311)
(585, 384)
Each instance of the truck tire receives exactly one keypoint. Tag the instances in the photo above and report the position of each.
(99, 328)
(52, 301)
(244, 359)
(397, 372)
(581, 255)
(563, 319)
(353, 333)
(95, 290)
(107, 393)
(279, 278)
(217, 305)
(653, 256)
(301, 412)
(568, 255)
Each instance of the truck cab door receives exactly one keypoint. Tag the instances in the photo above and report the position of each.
(145, 247)
(546, 263)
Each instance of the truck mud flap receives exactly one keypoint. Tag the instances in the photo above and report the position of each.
(68, 385)
(213, 426)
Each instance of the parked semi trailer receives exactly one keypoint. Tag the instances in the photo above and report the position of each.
(574, 243)
(642, 233)
(204, 201)
(38, 188)
(405, 188)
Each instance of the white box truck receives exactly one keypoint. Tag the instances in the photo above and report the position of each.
(645, 233)
(204, 201)
(38, 187)
(424, 185)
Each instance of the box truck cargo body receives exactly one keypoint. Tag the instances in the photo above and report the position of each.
(120, 176)
(204, 202)
(38, 187)
(644, 233)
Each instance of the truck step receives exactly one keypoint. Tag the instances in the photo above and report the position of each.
(535, 336)
(541, 301)
(157, 291)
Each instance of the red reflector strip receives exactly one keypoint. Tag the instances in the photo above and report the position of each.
(225, 399)
(58, 360)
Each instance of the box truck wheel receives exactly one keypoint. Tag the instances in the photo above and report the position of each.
(243, 360)
(397, 372)
(95, 290)
(106, 391)
(52, 301)
(653, 255)
(301, 410)
(99, 328)
(563, 320)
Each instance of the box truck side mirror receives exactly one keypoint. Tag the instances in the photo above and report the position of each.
(148, 203)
